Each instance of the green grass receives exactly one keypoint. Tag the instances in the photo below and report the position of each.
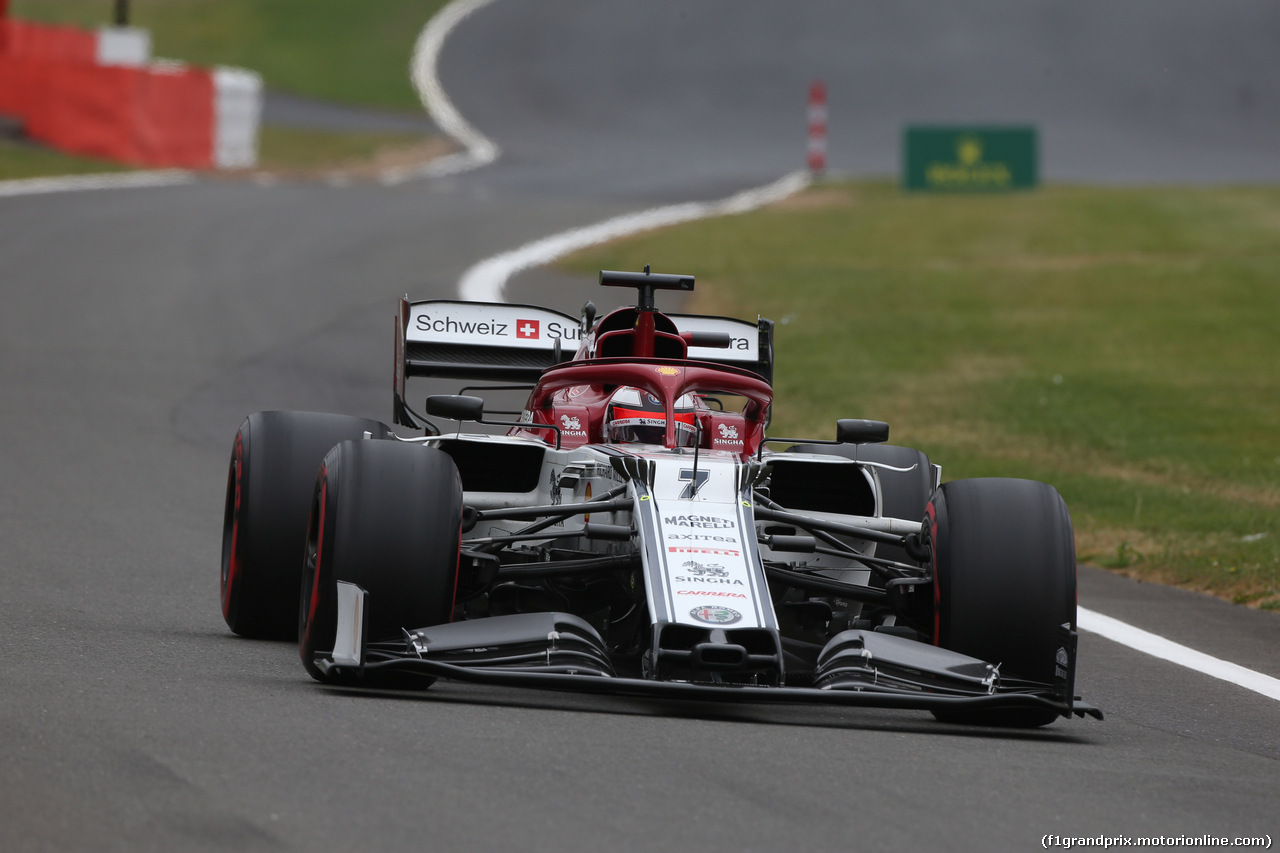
(285, 148)
(1122, 344)
(23, 160)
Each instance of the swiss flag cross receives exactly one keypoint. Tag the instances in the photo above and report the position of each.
(526, 328)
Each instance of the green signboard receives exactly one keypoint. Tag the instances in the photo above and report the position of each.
(969, 159)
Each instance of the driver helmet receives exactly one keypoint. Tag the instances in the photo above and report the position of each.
(636, 416)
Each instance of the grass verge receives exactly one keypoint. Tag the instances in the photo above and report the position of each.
(306, 153)
(20, 159)
(1119, 343)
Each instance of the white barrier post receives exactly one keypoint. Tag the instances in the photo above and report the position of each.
(237, 109)
(127, 46)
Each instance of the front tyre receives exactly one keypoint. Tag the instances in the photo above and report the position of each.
(269, 483)
(387, 517)
(1004, 573)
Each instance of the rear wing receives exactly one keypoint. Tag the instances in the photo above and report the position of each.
(750, 344)
(496, 341)
(506, 342)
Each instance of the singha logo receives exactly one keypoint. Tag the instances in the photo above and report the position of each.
(728, 431)
(568, 422)
(704, 570)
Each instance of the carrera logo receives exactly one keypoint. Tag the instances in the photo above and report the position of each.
(709, 594)
(527, 329)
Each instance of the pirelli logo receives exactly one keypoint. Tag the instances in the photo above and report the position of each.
(720, 551)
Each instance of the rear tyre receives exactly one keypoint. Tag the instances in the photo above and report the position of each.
(1004, 573)
(387, 517)
(269, 483)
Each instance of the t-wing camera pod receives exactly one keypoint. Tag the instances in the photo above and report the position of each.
(646, 283)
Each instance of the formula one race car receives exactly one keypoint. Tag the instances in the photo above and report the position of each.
(635, 531)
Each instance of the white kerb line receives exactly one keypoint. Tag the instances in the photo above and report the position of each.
(1157, 646)
(485, 281)
(105, 181)
(479, 150)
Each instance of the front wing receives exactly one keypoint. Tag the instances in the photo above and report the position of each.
(559, 651)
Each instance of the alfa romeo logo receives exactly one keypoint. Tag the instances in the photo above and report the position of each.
(716, 615)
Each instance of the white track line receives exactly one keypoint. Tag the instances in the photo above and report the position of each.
(1157, 646)
(484, 282)
(478, 149)
(107, 181)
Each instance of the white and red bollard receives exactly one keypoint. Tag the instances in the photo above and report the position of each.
(817, 157)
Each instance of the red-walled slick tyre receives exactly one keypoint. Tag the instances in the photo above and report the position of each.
(387, 517)
(274, 460)
(1004, 583)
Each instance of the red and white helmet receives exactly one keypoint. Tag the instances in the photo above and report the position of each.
(636, 416)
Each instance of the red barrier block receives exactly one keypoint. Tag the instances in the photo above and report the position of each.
(49, 41)
(23, 84)
(86, 112)
(173, 117)
(140, 116)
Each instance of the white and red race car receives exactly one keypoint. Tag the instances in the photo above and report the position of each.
(636, 531)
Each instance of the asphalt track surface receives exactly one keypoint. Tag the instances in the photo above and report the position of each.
(139, 327)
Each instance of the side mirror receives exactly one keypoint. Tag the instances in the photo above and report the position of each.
(858, 431)
(455, 407)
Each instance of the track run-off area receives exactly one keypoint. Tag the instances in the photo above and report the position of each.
(144, 321)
